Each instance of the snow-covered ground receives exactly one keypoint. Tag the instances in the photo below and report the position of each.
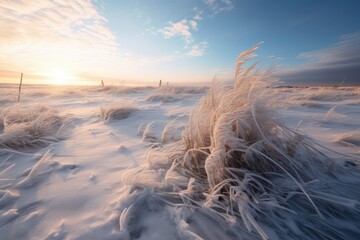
(71, 188)
(89, 162)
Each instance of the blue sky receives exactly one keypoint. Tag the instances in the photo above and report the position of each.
(177, 41)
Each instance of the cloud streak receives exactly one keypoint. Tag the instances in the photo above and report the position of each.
(335, 65)
(182, 28)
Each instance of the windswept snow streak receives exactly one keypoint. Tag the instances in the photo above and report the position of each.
(239, 173)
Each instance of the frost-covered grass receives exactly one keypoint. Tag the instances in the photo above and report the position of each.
(169, 93)
(23, 126)
(238, 163)
(122, 110)
(332, 93)
(115, 112)
(116, 90)
(349, 138)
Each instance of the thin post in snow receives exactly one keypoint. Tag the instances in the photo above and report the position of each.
(20, 87)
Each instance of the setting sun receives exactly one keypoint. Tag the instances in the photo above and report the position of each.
(60, 77)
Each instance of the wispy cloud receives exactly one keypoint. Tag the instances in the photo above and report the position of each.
(44, 34)
(182, 28)
(185, 29)
(59, 19)
(338, 64)
(197, 50)
(218, 6)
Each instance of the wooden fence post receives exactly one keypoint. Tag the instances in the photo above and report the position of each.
(20, 87)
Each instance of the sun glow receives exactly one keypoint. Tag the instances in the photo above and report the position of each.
(60, 77)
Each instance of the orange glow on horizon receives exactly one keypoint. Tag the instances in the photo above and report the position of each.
(59, 76)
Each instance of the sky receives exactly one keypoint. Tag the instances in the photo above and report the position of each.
(143, 41)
